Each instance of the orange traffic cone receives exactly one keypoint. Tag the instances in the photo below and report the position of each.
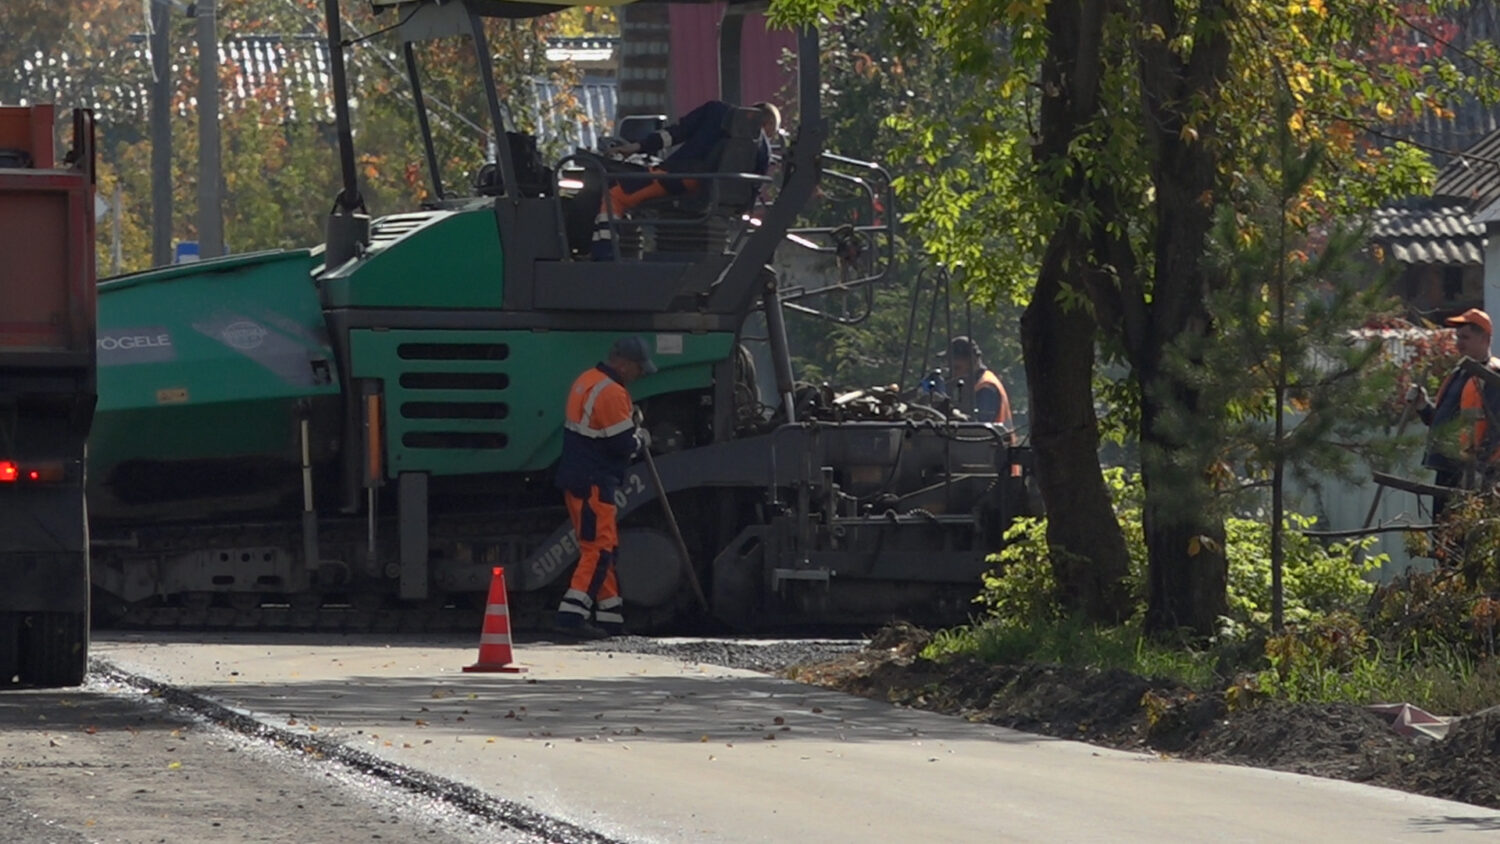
(494, 637)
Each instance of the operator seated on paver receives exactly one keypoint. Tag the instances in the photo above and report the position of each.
(699, 137)
(975, 389)
(1460, 436)
(601, 433)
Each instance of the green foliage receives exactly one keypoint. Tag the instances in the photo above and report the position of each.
(879, 79)
(1334, 660)
(1297, 383)
(1157, 129)
(1021, 590)
(1320, 579)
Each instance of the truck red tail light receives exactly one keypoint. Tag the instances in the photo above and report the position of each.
(12, 472)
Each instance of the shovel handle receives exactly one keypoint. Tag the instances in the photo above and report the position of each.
(682, 551)
(1380, 490)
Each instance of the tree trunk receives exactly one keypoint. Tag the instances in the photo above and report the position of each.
(1089, 556)
(1188, 576)
(1184, 536)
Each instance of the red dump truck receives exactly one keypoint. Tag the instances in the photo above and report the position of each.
(47, 392)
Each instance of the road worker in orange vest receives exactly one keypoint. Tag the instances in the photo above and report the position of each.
(981, 395)
(600, 436)
(1460, 434)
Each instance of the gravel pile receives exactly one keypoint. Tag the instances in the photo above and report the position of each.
(769, 655)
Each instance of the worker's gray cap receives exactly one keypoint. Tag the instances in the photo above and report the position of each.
(963, 347)
(633, 349)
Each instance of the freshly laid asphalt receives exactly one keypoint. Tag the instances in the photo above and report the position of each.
(644, 748)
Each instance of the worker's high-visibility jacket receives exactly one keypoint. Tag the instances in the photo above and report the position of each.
(1461, 402)
(599, 434)
(991, 403)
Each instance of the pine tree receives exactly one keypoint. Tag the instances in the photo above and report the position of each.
(1299, 385)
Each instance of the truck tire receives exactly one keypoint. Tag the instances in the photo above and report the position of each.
(54, 648)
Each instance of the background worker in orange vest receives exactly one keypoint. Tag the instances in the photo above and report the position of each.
(982, 396)
(1460, 433)
(600, 436)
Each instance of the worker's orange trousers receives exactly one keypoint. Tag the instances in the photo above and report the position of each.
(594, 589)
(619, 200)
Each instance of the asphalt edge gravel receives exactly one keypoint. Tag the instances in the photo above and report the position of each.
(463, 797)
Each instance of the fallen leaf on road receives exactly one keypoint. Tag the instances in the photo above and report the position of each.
(91, 729)
(421, 723)
(172, 766)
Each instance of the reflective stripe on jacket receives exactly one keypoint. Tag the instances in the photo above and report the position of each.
(598, 433)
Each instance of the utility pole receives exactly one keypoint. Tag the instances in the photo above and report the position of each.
(161, 134)
(210, 200)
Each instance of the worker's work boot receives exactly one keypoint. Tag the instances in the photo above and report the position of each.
(574, 626)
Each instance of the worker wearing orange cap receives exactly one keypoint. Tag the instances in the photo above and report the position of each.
(1462, 406)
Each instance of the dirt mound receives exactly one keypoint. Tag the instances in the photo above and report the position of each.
(902, 638)
(1327, 740)
(1465, 765)
(1119, 709)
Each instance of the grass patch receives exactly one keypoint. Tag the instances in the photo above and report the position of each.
(1443, 679)
(1076, 643)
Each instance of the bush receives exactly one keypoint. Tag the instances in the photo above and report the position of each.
(1318, 578)
(1021, 590)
